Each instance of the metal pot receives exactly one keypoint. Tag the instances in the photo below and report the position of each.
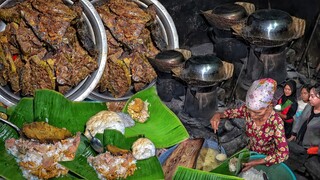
(166, 60)
(230, 11)
(269, 24)
(84, 88)
(169, 33)
(226, 15)
(201, 71)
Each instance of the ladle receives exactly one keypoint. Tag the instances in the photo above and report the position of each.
(96, 144)
(219, 149)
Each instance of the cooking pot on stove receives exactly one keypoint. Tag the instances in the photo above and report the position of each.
(201, 70)
(166, 60)
(230, 11)
(226, 15)
(269, 24)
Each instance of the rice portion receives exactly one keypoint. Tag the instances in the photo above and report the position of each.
(40, 160)
(104, 120)
(143, 148)
(109, 167)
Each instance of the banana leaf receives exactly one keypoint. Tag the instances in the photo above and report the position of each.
(80, 167)
(194, 174)
(163, 127)
(22, 112)
(7, 132)
(68, 176)
(223, 168)
(116, 138)
(9, 169)
(146, 169)
(54, 108)
(3, 109)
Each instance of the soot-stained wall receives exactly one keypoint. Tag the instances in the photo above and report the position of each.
(192, 27)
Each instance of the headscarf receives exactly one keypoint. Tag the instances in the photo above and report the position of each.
(293, 86)
(260, 94)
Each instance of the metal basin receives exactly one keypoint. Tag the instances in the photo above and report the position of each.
(169, 33)
(84, 88)
(269, 24)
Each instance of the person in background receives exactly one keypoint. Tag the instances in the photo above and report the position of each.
(289, 105)
(302, 102)
(264, 127)
(305, 140)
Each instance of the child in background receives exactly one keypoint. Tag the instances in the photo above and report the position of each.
(304, 100)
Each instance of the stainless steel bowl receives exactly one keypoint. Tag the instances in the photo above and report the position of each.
(169, 33)
(202, 70)
(84, 88)
(269, 24)
(225, 16)
(230, 11)
(166, 60)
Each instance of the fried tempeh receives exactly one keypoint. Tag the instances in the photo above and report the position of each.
(45, 132)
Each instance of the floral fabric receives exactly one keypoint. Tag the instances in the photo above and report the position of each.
(268, 139)
(260, 94)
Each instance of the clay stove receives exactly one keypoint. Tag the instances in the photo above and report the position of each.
(262, 62)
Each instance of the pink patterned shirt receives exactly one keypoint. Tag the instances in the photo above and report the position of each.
(268, 139)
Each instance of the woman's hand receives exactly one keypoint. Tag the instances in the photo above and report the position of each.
(215, 120)
(250, 164)
(292, 138)
(283, 116)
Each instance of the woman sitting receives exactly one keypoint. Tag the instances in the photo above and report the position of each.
(304, 147)
(289, 105)
(302, 102)
(264, 127)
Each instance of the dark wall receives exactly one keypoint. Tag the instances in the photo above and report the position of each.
(192, 27)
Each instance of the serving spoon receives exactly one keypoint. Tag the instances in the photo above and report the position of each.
(96, 144)
(220, 156)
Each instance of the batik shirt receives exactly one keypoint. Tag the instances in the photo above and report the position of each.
(268, 139)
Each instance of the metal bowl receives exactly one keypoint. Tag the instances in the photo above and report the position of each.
(166, 60)
(169, 33)
(226, 15)
(202, 70)
(269, 24)
(84, 88)
(230, 11)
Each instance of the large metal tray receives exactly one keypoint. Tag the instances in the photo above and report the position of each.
(169, 33)
(83, 89)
